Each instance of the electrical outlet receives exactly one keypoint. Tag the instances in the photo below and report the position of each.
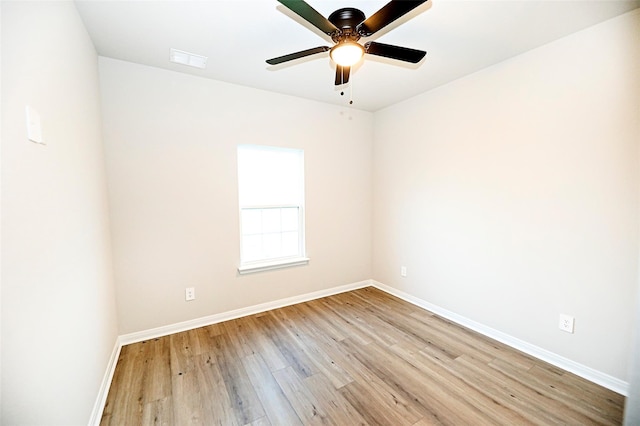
(189, 293)
(566, 323)
(403, 271)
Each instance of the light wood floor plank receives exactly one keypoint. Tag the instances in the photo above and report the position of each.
(413, 385)
(599, 411)
(181, 353)
(278, 408)
(336, 406)
(216, 403)
(320, 357)
(302, 400)
(455, 388)
(323, 318)
(189, 405)
(361, 357)
(158, 386)
(159, 412)
(244, 400)
(344, 321)
(240, 333)
(505, 391)
(376, 410)
(285, 334)
(380, 395)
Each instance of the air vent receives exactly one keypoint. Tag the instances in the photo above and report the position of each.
(186, 58)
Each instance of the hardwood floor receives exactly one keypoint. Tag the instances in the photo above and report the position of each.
(362, 357)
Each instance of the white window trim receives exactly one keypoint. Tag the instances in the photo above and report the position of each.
(250, 268)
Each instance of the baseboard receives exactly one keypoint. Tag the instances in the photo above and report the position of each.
(566, 364)
(98, 407)
(238, 313)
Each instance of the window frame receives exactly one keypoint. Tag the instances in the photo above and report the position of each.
(265, 264)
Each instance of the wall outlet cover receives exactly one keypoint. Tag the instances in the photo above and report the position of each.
(189, 293)
(566, 323)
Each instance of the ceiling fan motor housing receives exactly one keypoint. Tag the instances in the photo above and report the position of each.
(346, 20)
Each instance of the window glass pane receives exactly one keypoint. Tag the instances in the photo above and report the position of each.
(290, 219)
(251, 221)
(290, 244)
(251, 248)
(271, 244)
(271, 220)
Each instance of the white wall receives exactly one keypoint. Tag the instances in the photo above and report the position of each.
(511, 195)
(58, 298)
(171, 158)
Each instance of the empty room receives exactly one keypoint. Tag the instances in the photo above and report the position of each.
(287, 212)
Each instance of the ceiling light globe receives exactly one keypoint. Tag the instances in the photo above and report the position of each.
(346, 53)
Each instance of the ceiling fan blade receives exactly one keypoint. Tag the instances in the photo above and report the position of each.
(342, 74)
(297, 55)
(389, 13)
(394, 52)
(309, 14)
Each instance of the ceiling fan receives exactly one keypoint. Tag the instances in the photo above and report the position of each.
(345, 27)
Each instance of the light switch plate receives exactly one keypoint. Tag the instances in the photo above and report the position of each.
(34, 128)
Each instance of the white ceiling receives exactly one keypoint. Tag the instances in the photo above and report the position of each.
(460, 37)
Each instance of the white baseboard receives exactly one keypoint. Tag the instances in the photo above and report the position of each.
(566, 364)
(237, 313)
(98, 407)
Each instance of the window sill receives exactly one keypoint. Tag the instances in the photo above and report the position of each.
(267, 266)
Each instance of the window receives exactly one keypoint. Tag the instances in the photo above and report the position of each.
(271, 195)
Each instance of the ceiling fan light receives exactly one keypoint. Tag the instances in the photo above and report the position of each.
(346, 53)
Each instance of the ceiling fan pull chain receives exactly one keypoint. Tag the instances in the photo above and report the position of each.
(351, 92)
